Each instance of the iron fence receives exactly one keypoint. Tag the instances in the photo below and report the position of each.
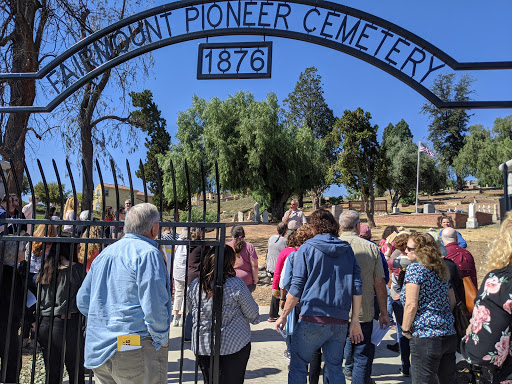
(15, 276)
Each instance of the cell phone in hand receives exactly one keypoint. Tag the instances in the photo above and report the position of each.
(282, 331)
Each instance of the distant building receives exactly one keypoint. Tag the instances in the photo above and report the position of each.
(110, 196)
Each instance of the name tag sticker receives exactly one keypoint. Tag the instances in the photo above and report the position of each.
(128, 342)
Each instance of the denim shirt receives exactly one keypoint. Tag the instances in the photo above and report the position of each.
(126, 292)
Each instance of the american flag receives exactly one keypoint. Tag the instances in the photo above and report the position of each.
(426, 150)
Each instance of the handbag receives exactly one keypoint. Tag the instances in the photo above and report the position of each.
(462, 317)
(470, 292)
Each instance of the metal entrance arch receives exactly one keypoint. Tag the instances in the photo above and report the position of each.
(374, 40)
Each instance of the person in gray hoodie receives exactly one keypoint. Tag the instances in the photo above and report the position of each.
(327, 282)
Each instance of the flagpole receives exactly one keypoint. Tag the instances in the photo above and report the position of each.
(418, 177)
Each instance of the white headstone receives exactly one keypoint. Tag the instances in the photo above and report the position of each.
(240, 216)
(396, 210)
(495, 216)
(249, 216)
(336, 211)
(489, 208)
(479, 208)
(450, 210)
(461, 210)
(472, 223)
(235, 218)
(257, 213)
(265, 216)
(429, 208)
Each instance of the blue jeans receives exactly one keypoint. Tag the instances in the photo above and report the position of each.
(363, 354)
(348, 355)
(308, 338)
(390, 310)
(403, 342)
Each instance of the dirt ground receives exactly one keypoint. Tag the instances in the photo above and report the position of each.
(478, 241)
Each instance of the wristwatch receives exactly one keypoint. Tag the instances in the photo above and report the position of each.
(406, 332)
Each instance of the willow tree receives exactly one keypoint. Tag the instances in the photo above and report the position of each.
(254, 147)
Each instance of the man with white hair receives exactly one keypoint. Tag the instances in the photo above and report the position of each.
(460, 256)
(127, 300)
(372, 273)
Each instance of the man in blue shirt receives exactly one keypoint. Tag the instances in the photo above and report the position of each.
(327, 282)
(127, 293)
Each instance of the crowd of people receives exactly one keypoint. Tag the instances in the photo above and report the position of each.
(332, 285)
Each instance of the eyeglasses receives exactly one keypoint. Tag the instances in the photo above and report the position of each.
(409, 249)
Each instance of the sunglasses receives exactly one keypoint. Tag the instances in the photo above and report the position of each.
(410, 249)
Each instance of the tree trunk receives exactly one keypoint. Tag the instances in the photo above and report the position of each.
(277, 205)
(370, 209)
(300, 200)
(460, 183)
(24, 42)
(395, 199)
(316, 201)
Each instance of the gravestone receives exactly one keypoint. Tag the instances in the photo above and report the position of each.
(479, 208)
(461, 210)
(265, 216)
(240, 216)
(472, 223)
(429, 208)
(257, 213)
(396, 210)
(235, 218)
(249, 216)
(495, 216)
(450, 210)
(489, 208)
(336, 211)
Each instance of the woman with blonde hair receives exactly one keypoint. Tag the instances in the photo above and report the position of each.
(93, 249)
(37, 253)
(69, 212)
(428, 320)
(487, 341)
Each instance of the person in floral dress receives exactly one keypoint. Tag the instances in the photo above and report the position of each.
(428, 320)
(487, 342)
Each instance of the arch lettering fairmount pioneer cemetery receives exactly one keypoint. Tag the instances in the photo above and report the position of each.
(385, 45)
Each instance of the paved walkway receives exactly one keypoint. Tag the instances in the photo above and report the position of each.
(267, 364)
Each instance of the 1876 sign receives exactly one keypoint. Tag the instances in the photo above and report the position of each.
(367, 37)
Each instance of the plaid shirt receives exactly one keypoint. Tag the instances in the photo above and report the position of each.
(238, 310)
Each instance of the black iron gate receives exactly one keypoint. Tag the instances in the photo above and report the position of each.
(15, 277)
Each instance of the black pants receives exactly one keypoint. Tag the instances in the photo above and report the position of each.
(431, 357)
(274, 307)
(53, 362)
(232, 367)
(11, 359)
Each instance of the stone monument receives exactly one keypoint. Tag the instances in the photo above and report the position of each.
(396, 210)
(257, 213)
(336, 211)
(429, 208)
(495, 216)
(472, 223)
(265, 216)
(240, 216)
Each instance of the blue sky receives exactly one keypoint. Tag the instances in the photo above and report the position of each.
(466, 30)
